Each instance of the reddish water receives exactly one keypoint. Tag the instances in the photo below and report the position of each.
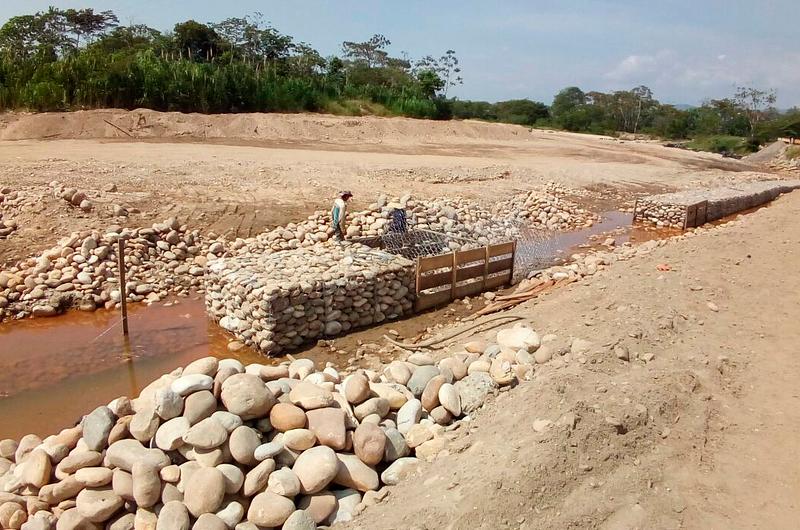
(54, 370)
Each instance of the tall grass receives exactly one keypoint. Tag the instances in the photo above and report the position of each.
(144, 79)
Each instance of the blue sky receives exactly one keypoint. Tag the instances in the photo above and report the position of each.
(686, 51)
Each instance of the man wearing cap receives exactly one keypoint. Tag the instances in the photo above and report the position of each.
(338, 214)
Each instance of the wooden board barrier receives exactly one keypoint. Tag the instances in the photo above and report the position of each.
(429, 300)
(435, 262)
(465, 273)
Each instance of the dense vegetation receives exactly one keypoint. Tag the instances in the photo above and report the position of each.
(66, 59)
(71, 59)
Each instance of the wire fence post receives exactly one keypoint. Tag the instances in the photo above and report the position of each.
(123, 291)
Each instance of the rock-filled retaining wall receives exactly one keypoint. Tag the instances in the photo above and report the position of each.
(274, 302)
(672, 209)
(219, 445)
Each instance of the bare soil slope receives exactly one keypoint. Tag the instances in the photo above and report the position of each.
(702, 436)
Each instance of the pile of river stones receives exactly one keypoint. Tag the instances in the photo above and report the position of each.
(218, 445)
(468, 224)
(278, 301)
(82, 270)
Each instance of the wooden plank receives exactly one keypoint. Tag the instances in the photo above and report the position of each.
(468, 273)
(435, 262)
(454, 273)
(467, 256)
(438, 279)
(497, 281)
(485, 266)
(419, 275)
(501, 265)
(469, 289)
(501, 249)
(426, 301)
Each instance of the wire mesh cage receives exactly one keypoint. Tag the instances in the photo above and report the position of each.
(536, 249)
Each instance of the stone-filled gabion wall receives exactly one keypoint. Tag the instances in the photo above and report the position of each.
(274, 302)
(671, 209)
(661, 214)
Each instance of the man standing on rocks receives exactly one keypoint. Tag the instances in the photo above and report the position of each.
(338, 214)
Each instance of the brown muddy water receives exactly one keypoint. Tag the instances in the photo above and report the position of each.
(53, 371)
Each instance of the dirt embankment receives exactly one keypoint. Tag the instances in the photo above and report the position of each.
(144, 123)
(698, 430)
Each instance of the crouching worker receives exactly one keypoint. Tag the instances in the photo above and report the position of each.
(338, 214)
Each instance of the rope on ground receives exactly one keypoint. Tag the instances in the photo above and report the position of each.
(435, 342)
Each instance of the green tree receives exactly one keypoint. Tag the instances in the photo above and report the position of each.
(754, 103)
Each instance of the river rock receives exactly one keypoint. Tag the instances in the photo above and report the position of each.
(316, 468)
(430, 396)
(310, 396)
(246, 395)
(146, 484)
(417, 435)
(199, 406)
(285, 417)
(353, 473)
(396, 446)
(328, 424)
(300, 520)
(378, 406)
(450, 399)
(299, 439)
(243, 443)
(257, 478)
(93, 477)
(346, 506)
(409, 415)
(173, 516)
(420, 378)
(284, 482)
(188, 384)
(209, 521)
(319, 506)
(234, 478)
(206, 366)
(170, 435)
(398, 372)
(207, 434)
(35, 469)
(124, 453)
(97, 504)
(369, 443)
(268, 450)
(96, 428)
(269, 509)
(231, 514)
(12, 516)
(144, 424)
(168, 404)
(473, 390)
(356, 389)
(205, 491)
(400, 469)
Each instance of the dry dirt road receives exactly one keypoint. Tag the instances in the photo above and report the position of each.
(239, 174)
(706, 435)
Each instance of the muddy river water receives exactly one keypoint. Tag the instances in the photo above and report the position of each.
(52, 371)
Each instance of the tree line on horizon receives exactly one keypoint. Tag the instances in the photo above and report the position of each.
(70, 59)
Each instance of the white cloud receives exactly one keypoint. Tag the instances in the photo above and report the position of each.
(670, 72)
